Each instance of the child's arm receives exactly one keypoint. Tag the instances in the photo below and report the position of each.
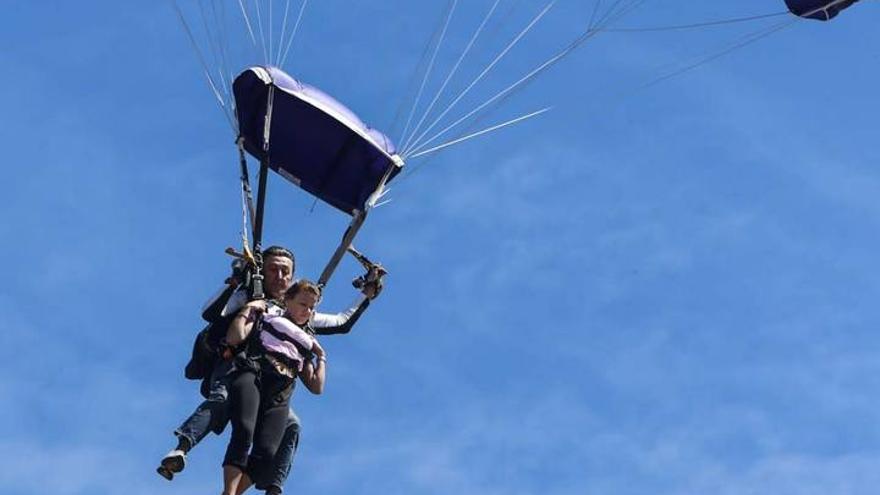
(314, 375)
(243, 322)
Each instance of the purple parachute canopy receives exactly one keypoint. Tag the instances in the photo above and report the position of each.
(822, 10)
(314, 141)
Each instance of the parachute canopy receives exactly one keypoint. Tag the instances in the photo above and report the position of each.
(314, 141)
(822, 10)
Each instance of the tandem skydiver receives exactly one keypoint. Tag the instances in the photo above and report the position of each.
(212, 414)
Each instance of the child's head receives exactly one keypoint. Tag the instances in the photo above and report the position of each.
(300, 301)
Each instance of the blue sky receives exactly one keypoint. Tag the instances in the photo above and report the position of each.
(669, 290)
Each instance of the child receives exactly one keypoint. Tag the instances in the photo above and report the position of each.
(260, 390)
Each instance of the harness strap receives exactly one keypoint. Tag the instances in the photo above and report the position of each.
(257, 286)
(279, 335)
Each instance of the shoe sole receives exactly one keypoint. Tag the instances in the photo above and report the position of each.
(165, 473)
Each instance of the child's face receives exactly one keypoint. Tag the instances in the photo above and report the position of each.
(301, 306)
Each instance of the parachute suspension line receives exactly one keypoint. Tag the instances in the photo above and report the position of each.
(504, 19)
(605, 20)
(247, 193)
(593, 15)
(223, 44)
(299, 17)
(617, 10)
(356, 223)
(258, 231)
(214, 44)
(383, 203)
(261, 196)
(491, 35)
(412, 112)
(260, 30)
(247, 22)
(245, 242)
(454, 69)
(681, 27)
(600, 17)
(611, 17)
(824, 10)
(589, 33)
(609, 14)
(267, 124)
(744, 41)
(347, 238)
(480, 133)
(247, 199)
(267, 27)
(271, 34)
(525, 79)
(395, 122)
(417, 141)
(409, 149)
(283, 32)
(416, 149)
(201, 57)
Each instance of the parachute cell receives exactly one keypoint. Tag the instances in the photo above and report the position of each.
(314, 141)
(822, 10)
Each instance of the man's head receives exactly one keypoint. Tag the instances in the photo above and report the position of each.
(278, 269)
(300, 301)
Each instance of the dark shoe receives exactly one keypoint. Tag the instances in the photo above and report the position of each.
(165, 473)
(172, 463)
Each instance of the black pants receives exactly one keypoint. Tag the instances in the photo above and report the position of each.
(258, 412)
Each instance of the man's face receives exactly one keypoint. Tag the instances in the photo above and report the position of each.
(301, 306)
(277, 275)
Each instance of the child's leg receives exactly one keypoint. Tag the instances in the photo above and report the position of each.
(244, 405)
(270, 429)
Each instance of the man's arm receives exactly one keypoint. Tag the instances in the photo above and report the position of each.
(225, 302)
(327, 324)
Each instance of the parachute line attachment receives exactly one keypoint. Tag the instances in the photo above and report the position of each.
(480, 133)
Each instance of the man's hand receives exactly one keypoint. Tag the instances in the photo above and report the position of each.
(374, 281)
(372, 289)
(257, 307)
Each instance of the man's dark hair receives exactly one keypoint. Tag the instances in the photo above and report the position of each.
(280, 252)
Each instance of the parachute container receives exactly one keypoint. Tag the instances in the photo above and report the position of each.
(314, 141)
(822, 10)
